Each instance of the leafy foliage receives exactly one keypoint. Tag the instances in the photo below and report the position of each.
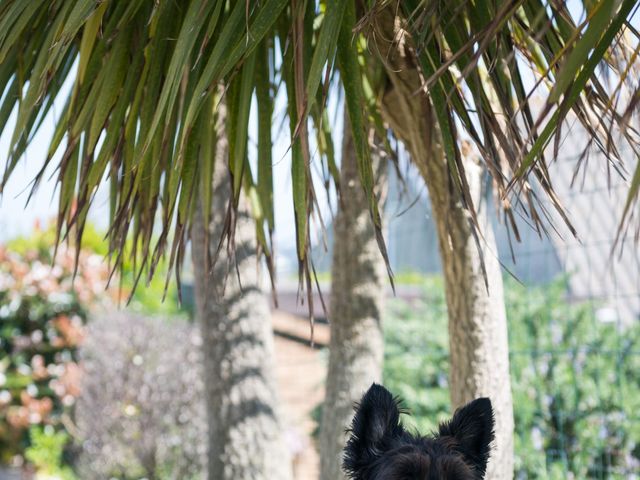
(141, 410)
(146, 77)
(156, 297)
(46, 452)
(577, 388)
(42, 314)
(413, 369)
(576, 381)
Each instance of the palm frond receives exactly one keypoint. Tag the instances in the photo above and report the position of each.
(475, 57)
(148, 77)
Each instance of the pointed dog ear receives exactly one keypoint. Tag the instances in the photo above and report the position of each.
(375, 424)
(471, 429)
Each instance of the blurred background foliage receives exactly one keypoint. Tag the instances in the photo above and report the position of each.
(42, 314)
(141, 412)
(575, 380)
(149, 299)
(44, 310)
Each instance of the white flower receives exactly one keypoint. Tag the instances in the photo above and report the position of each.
(130, 410)
(57, 271)
(60, 298)
(536, 438)
(35, 418)
(37, 336)
(15, 303)
(6, 281)
(5, 396)
(39, 271)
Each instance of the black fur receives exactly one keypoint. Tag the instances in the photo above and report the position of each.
(379, 448)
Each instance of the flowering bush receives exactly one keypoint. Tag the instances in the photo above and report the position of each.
(42, 314)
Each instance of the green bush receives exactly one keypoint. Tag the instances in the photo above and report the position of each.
(576, 387)
(576, 381)
(43, 310)
(150, 297)
(42, 313)
(416, 360)
(46, 452)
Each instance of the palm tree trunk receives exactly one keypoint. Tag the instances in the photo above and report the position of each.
(357, 292)
(477, 319)
(245, 433)
(478, 342)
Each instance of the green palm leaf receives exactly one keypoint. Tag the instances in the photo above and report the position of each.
(148, 76)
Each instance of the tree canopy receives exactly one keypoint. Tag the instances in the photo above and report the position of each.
(149, 76)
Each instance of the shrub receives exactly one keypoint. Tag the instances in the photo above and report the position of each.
(141, 411)
(149, 298)
(416, 359)
(42, 313)
(576, 386)
(46, 452)
(575, 381)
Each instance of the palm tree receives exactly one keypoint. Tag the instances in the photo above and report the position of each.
(356, 305)
(478, 339)
(244, 419)
(145, 75)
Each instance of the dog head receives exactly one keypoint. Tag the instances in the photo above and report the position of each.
(379, 448)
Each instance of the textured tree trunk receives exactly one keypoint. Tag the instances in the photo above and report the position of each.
(478, 342)
(358, 283)
(477, 319)
(245, 433)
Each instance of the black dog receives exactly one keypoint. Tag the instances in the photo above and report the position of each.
(379, 448)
